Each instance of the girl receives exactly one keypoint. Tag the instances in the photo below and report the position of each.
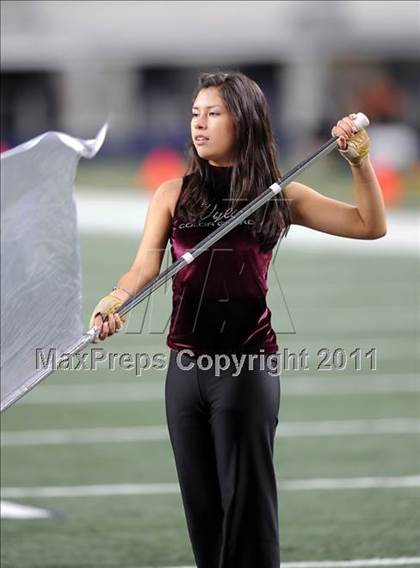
(222, 418)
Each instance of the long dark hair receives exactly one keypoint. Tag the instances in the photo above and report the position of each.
(255, 165)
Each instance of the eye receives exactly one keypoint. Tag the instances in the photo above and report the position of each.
(212, 113)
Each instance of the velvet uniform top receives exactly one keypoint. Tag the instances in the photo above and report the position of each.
(219, 300)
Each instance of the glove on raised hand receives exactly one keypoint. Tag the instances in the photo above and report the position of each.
(357, 148)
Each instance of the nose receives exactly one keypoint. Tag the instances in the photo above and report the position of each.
(200, 122)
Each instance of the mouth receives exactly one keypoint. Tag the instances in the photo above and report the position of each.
(200, 139)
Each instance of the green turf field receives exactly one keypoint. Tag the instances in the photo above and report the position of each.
(318, 300)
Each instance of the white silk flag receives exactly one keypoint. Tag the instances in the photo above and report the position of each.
(41, 281)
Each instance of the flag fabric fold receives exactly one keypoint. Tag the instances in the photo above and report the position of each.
(41, 279)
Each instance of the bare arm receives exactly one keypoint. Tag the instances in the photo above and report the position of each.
(148, 260)
(149, 255)
(364, 220)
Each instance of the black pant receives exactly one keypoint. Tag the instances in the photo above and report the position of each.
(222, 432)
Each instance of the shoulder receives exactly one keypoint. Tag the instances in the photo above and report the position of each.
(294, 190)
(168, 192)
(297, 194)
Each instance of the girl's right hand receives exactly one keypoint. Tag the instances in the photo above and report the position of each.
(104, 317)
(111, 325)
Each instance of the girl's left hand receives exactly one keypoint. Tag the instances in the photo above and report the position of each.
(344, 129)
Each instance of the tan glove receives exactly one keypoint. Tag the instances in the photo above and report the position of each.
(357, 148)
(109, 304)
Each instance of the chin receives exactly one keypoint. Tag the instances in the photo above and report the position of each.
(208, 155)
(204, 155)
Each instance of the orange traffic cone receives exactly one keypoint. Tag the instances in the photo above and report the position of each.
(158, 166)
(391, 183)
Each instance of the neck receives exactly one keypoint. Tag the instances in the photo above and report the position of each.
(221, 163)
(219, 181)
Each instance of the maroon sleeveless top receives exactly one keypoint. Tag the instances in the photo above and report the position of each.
(219, 300)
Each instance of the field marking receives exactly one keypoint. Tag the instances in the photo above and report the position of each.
(160, 433)
(153, 390)
(109, 490)
(325, 381)
(125, 212)
(359, 563)
(9, 510)
(368, 563)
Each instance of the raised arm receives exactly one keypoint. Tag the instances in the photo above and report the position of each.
(365, 219)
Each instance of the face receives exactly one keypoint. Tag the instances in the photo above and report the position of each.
(212, 128)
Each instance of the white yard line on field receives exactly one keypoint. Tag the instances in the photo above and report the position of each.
(368, 563)
(148, 390)
(354, 483)
(160, 433)
(123, 213)
(359, 563)
(10, 510)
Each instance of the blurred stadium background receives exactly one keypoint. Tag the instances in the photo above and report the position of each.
(90, 448)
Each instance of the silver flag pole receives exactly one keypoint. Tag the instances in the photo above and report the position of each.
(361, 121)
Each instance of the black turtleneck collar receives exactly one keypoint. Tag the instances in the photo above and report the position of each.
(219, 168)
(219, 180)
